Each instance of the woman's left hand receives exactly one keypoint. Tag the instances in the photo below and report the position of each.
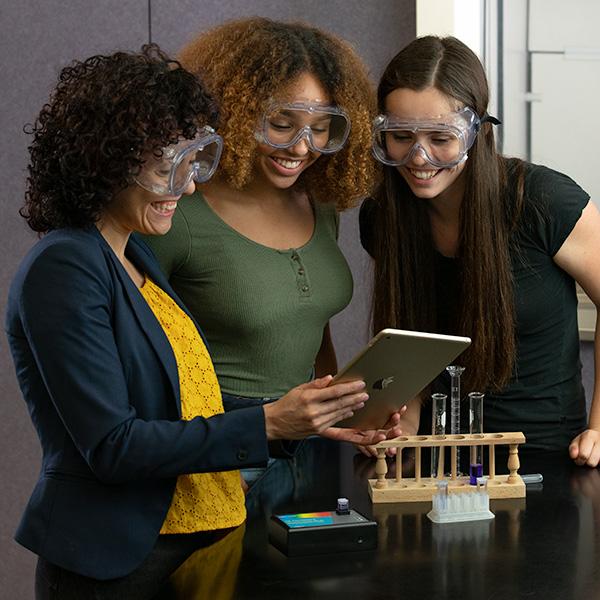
(364, 440)
(585, 448)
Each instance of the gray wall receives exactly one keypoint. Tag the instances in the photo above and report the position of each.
(39, 37)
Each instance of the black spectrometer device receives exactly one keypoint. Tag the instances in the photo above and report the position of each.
(326, 532)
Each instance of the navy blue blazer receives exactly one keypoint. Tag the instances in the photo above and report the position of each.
(100, 381)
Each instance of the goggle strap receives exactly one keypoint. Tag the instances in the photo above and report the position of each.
(489, 119)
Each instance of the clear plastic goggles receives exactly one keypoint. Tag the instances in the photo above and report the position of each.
(325, 128)
(171, 173)
(442, 141)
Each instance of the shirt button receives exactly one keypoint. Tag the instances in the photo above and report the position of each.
(300, 271)
(242, 454)
(305, 288)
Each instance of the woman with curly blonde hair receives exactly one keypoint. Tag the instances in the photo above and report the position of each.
(251, 62)
(254, 253)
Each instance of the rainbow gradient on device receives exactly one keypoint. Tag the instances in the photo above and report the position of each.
(311, 519)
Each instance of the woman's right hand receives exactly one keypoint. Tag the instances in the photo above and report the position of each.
(312, 407)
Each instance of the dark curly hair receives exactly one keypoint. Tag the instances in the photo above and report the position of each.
(103, 116)
(247, 63)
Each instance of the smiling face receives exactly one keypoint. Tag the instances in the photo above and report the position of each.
(425, 180)
(281, 167)
(137, 209)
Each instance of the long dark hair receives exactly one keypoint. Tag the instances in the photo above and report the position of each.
(404, 294)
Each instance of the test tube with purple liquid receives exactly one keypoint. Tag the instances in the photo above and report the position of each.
(476, 426)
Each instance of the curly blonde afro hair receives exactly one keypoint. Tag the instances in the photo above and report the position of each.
(247, 63)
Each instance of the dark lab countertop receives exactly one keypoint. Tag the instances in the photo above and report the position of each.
(545, 546)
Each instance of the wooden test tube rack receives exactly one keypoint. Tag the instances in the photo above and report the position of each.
(419, 489)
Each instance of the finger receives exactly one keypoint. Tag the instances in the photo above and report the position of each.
(329, 408)
(365, 441)
(329, 419)
(321, 382)
(585, 449)
(574, 449)
(320, 416)
(341, 389)
(342, 434)
(377, 436)
(328, 413)
(370, 451)
(392, 421)
(364, 450)
(394, 432)
(594, 457)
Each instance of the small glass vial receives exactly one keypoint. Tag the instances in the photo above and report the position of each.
(343, 506)
(442, 496)
(476, 426)
(438, 427)
(483, 500)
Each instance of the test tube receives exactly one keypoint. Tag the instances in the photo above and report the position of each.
(476, 426)
(438, 427)
(455, 373)
(483, 499)
(443, 495)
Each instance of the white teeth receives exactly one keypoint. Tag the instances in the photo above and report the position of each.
(164, 207)
(288, 164)
(423, 174)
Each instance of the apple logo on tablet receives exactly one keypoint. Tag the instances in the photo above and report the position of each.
(381, 384)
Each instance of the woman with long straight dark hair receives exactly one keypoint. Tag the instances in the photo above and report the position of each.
(469, 242)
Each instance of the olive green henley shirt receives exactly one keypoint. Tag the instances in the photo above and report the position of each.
(263, 310)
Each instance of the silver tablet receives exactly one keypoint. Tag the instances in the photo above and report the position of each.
(396, 365)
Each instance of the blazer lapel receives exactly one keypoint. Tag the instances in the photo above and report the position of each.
(143, 256)
(148, 322)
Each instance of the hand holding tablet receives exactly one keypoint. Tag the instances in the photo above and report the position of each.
(396, 365)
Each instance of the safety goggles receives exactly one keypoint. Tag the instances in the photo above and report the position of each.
(442, 141)
(170, 173)
(325, 128)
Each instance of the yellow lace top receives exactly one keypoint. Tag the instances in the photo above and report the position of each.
(202, 501)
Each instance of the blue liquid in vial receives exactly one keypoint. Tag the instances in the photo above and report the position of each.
(475, 471)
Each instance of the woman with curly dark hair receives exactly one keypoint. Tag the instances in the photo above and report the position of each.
(296, 109)
(139, 464)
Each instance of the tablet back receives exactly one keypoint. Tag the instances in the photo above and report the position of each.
(396, 365)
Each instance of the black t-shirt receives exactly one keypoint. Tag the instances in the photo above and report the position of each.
(545, 397)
